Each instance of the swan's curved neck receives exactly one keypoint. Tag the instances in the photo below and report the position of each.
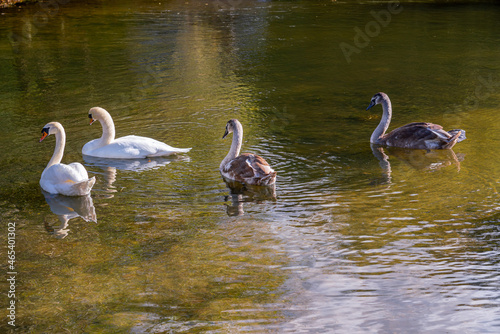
(234, 151)
(59, 150)
(384, 122)
(108, 129)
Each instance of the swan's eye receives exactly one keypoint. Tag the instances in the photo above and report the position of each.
(90, 115)
(45, 130)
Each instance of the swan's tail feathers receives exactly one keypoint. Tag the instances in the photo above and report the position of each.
(182, 150)
(84, 187)
(453, 140)
(268, 180)
(461, 136)
(170, 151)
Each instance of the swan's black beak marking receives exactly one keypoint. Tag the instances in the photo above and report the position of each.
(225, 133)
(91, 119)
(45, 133)
(372, 103)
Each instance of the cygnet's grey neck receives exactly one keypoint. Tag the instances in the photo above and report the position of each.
(234, 151)
(384, 122)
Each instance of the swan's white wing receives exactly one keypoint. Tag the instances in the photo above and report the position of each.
(61, 173)
(69, 180)
(130, 147)
(91, 146)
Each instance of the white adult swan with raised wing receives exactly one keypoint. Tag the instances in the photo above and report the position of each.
(58, 178)
(128, 147)
(419, 135)
(246, 168)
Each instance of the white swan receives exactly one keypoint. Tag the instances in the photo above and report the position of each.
(128, 147)
(246, 168)
(58, 178)
(413, 135)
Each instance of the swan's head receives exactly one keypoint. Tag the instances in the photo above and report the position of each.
(50, 129)
(97, 114)
(377, 99)
(231, 126)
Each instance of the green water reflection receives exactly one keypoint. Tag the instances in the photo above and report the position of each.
(357, 240)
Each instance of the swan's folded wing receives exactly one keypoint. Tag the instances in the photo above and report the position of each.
(70, 180)
(76, 188)
(62, 173)
(247, 166)
(259, 165)
(240, 168)
(414, 135)
(130, 147)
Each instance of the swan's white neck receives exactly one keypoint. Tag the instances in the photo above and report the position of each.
(234, 151)
(108, 129)
(384, 122)
(59, 150)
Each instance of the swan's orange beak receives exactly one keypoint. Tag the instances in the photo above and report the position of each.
(45, 133)
(92, 120)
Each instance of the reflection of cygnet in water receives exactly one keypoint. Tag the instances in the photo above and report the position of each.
(67, 208)
(236, 206)
(427, 160)
(383, 161)
(240, 193)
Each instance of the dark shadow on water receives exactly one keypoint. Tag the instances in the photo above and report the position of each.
(67, 208)
(240, 193)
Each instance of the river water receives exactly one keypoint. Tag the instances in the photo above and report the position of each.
(355, 239)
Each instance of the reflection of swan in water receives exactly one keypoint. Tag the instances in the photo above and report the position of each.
(240, 193)
(136, 165)
(109, 166)
(67, 208)
(383, 161)
(426, 160)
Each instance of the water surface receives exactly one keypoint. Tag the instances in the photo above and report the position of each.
(356, 239)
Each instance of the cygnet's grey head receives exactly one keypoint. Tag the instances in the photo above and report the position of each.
(377, 99)
(231, 126)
